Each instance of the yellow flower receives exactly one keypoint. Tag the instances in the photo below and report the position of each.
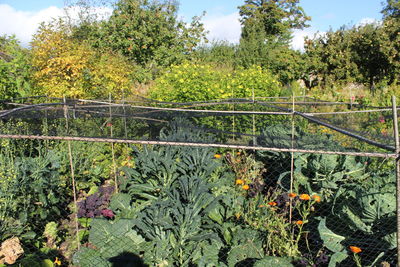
(316, 198)
(217, 156)
(57, 261)
(304, 197)
(239, 182)
(355, 249)
(246, 187)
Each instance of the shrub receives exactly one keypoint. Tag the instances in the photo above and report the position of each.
(201, 82)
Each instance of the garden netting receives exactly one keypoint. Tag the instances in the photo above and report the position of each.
(268, 122)
(236, 182)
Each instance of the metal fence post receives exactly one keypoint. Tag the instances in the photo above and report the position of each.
(397, 161)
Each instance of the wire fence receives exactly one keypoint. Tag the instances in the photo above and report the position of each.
(235, 182)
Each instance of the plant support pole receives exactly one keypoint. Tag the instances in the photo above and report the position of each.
(71, 165)
(112, 147)
(292, 159)
(397, 161)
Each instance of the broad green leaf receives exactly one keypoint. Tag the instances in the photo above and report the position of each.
(47, 263)
(337, 258)
(120, 201)
(331, 240)
(87, 257)
(274, 261)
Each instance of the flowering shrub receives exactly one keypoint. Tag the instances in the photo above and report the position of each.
(200, 82)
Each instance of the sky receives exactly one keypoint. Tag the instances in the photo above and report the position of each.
(22, 17)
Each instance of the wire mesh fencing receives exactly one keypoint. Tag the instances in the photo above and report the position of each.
(238, 182)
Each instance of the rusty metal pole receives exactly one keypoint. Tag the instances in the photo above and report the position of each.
(397, 161)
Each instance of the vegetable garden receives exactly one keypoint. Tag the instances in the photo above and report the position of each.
(236, 182)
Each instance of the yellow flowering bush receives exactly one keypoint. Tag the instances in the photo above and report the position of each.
(64, 66)
(202, 82)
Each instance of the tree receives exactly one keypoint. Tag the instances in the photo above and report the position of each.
(14, 68)
(266, 33)
(66, 66)
(149, 32)
(392, 9)
(271, 18)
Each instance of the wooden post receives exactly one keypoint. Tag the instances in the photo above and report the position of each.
(112, 146)
(292, 160)
(71, 165)
(123, 107)
(397, 161)
(254, 123)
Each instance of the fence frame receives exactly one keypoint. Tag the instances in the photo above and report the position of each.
(111, 140)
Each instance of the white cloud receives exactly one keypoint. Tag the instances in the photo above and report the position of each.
(223, 27)
(365, 21)
(299, 35)
(25, 24)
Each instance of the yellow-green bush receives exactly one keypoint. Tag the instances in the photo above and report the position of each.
(202, 82)
(63, 65)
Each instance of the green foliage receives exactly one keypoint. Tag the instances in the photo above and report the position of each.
(221, 53)
(170, 230)
(392, 9)
(266, 34)
(274, 261)
(66, 66)
(364, 211)
(15, 68)
(158, 168)
(366, 54)
(200, 82)
(325, 174)
(331, 240)
(31, 191)
(247, 244)
(111, 238)
(271, 18)
(149, 32)
(369, 209)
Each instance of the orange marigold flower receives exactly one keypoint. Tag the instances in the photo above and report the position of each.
(355, 249)
(238, 153)
(217, 156)
(272, 203)
(316, 198)
(261, 206)
(239, 181)
(304, 197)
(292, 195)
(299, 222)
(246, 187)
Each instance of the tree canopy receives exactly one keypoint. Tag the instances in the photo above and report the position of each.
(149, 33)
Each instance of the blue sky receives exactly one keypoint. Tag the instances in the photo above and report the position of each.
(23, 16)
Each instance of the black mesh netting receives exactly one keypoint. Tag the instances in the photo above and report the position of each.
(218, 185)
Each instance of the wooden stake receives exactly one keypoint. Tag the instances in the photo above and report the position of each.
(112, 147)
(397, 161)
(292, 160)
(71, 165)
